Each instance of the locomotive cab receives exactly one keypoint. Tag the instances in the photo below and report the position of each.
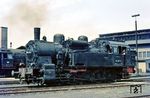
(6, 63)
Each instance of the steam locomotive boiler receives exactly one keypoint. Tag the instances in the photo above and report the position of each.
(76, 60)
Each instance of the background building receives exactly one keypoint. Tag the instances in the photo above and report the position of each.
(143, 45)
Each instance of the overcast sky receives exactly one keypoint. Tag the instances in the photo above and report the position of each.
(71, 17)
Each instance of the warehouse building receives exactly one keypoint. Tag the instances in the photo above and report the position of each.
(129, 37)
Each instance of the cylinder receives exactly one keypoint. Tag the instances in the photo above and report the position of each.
(4, 38)
(36, 34)
(76, 44)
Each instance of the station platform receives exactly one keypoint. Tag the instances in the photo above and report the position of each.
(140, 75)
(4, 81)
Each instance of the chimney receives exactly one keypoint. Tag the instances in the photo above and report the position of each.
(3, 38)
(36, 33)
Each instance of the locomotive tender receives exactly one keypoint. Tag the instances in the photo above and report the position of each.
(76, 60)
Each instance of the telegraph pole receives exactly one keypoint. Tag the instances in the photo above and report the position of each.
(136, 38)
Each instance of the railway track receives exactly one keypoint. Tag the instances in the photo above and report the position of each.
(35, 89)
(140, 96)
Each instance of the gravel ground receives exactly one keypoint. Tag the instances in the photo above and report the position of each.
(116, 92)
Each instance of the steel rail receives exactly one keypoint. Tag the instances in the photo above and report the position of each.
(35, 89)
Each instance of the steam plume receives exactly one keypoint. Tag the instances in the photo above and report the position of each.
(28, 13)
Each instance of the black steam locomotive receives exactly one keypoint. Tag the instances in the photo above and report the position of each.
(76, 60)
